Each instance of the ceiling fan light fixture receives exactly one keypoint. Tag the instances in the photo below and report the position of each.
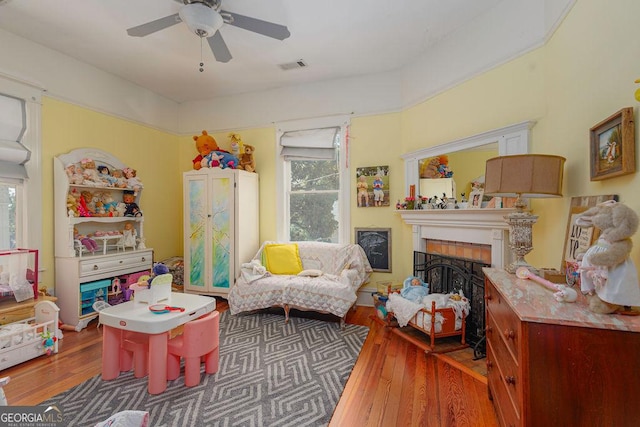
(201, 19)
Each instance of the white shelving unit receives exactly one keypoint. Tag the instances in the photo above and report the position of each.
(82, 276)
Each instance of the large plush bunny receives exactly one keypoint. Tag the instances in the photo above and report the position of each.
(608, 276)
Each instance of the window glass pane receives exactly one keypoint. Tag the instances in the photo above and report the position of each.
(7, 216)
(314, 175)
(314, 216)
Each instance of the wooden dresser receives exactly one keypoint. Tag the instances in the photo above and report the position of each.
(558, 364)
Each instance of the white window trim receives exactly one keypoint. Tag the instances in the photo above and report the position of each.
(282, 208)
(30, 217)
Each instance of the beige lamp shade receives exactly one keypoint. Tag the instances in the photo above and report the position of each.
(527, 175)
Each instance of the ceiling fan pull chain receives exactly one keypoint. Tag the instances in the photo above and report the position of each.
(201, 61)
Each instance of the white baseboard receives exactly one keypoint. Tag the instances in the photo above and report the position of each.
(364, 296)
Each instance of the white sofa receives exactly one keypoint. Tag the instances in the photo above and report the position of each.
(344, 269)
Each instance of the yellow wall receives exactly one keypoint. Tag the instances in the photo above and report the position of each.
(584, 73)
(467, 166)
(66, 127)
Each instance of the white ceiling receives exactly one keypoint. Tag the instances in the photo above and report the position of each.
(336, 38)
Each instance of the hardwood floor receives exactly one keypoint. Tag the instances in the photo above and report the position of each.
(394, 383)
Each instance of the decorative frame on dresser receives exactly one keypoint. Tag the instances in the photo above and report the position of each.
(557, 364)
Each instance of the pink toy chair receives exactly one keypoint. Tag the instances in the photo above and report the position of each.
(198, 342)
(134, 350)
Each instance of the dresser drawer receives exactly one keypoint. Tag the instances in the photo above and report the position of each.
(505, 409)
(504, 369)
(120, 263)
(507, 325)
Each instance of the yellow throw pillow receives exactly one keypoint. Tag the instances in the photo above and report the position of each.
(282, 258)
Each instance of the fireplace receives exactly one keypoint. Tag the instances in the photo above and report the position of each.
(468, 238)
(467, 276)
(476, 226)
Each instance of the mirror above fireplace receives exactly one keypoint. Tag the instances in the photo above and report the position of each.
(504, 141)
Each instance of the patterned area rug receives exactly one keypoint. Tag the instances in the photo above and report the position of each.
(271, 374)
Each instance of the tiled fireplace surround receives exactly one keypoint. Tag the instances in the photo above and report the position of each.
(478, 234)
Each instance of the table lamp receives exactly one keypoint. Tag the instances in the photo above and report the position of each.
(523, 176)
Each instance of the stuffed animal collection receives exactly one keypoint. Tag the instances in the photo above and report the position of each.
(608, 276)
(210, 155)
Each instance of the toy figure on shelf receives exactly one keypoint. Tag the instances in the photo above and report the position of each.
(119, 180)
(132, 180)
(74, 173)
(85, 240)
(91, 175)
(131, 207)
(129, 236)
(83, 203)
(105, 176)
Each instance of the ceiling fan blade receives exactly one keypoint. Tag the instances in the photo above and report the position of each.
(153, 26)
(219, 47)
(269, 29)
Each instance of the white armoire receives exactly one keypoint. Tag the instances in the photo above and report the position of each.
(220, 228)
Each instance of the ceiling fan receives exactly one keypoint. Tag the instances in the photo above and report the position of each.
(204, 18)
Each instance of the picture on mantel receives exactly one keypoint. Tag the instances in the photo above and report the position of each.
(372, 186)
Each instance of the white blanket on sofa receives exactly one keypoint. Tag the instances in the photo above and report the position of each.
(344, 269)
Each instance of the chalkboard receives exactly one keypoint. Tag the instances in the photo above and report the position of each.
(376, 243)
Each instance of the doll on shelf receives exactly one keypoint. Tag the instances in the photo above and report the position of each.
(129, 236)
(132, 180)
(85, 240)
(105, 176)
(131, 207)
(119, 180)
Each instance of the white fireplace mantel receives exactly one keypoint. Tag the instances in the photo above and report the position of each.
(480, 226)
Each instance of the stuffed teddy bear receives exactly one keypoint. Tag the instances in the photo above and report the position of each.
(247, 162)
(430, 169)
(205, 144)
(607, 274)
(72, 205)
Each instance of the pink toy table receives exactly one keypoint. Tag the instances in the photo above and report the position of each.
(135, 316)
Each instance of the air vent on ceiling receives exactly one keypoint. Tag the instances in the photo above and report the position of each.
(293, 65)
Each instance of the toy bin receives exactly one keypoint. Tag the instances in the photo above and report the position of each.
(91, 292)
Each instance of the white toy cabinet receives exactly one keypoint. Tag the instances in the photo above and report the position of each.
(84, 275)
(221, 230)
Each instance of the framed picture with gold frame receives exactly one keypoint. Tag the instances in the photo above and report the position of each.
(613, 146)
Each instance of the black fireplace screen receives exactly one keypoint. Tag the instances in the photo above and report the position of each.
(450, 274)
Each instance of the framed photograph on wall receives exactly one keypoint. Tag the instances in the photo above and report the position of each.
(613, 146)
(372, 186)
(376, 243)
